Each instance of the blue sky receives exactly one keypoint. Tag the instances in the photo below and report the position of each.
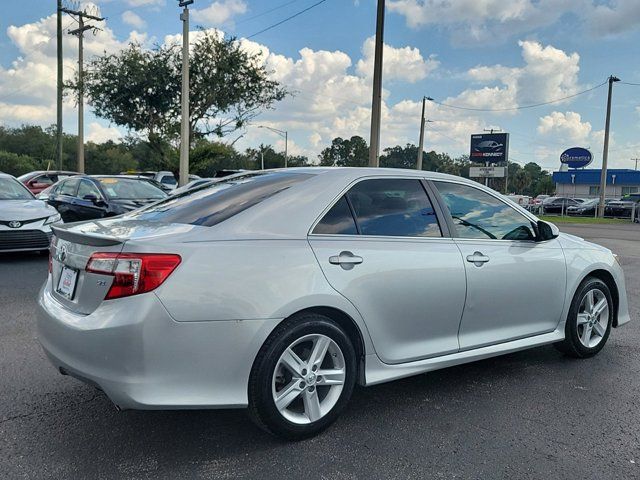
(470, 53)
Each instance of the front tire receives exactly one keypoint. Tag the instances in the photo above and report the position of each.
(589, 321)
(303, 377)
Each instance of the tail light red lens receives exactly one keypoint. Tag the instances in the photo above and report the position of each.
(133, 273)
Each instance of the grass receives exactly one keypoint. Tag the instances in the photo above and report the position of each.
(583, 220)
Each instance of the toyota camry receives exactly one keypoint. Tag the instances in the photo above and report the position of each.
(281, 290)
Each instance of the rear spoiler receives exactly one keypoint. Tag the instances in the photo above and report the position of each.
(83, 238)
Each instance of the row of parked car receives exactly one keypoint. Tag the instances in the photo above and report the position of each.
(545, 204)
(31, 203)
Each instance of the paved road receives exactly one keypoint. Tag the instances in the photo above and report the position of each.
(533, 414)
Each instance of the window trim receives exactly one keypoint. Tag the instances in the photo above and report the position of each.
(440, 216)
(453, 229)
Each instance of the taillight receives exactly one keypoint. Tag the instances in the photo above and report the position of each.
(133, 273)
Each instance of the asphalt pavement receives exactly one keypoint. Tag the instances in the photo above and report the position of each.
(533, 414)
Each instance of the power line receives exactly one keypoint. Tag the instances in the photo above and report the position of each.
(522, 107)
(266, 12)
(286, 19)
(629, 83)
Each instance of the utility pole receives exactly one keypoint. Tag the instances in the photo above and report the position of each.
(376, 102)
(636, 160)
(423, 121)
(184, 110)
(605, 150)
(285, 135)
(79, 32)
(59, 88)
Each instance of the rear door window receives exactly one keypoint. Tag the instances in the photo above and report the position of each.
(393, 207)
(337, 221)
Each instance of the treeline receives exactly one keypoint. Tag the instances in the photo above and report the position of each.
(29, 148)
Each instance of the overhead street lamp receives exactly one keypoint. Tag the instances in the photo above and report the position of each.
(285, 135)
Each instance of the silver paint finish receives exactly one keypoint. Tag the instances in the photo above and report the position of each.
(191, 343)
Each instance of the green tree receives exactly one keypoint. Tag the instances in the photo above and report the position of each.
(400, 157)
(140, 89)
(16, 165)
(352, 152)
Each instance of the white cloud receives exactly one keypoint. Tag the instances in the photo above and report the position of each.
(548, 74)
(133, 19)
(406, 63)
(567, 126)
(487, 21)
(98, 133)
(615, 18)
(219, 12)
(145, 3)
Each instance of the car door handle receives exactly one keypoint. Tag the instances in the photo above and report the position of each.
(346, 260)
(478, 259)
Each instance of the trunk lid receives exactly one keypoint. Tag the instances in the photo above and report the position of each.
(72, 246)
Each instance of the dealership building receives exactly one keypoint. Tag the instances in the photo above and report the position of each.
(585, 182)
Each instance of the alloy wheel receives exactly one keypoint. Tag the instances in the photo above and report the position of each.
(593, 318)
(308, 379)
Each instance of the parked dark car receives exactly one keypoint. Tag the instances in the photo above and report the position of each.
(98, 196)
(587, 208)
(559, 204)
(624, 207)
(39, 180)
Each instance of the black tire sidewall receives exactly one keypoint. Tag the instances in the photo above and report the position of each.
(571, 330)
(260, 393)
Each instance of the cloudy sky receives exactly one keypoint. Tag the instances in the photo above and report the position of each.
(474, 54)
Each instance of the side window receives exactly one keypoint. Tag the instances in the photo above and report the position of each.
(88, 188)
(43, 180)
(69, 188)
(337, 221)
(393, 207)
(476, 214)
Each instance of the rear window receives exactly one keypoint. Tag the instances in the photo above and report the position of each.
(211, 204)
(118, 188)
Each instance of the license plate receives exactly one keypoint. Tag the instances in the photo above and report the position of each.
(67, 282)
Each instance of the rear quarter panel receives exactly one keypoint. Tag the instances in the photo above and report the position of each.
(249, 280)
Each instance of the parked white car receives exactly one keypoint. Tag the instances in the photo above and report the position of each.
(280, 290)
(25, 223)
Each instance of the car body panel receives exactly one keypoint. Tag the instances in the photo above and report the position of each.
(421, 316)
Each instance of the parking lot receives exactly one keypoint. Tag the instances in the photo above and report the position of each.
(532, 414)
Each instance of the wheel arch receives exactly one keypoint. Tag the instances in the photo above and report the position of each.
(610, 282)
(349, 325)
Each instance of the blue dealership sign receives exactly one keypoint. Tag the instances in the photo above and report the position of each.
(576, 157)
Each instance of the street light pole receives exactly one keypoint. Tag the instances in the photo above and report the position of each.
(376, 102)
(605, 150)
(282, 133)
(184, 107)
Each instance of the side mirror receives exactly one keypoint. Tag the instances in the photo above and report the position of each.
(546, 231)
(93, 199)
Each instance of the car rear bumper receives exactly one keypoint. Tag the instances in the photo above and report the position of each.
(141, 358)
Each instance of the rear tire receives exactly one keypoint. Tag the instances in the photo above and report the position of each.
(589, 320)
(302, 378)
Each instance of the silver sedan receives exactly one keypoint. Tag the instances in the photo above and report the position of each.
(280, 290)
